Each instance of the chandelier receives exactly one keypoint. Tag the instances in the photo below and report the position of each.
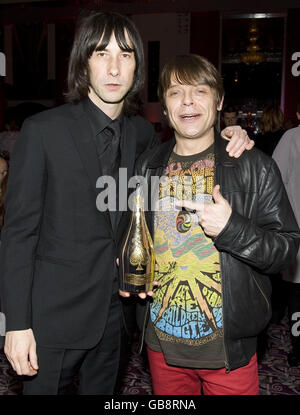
(253, 56)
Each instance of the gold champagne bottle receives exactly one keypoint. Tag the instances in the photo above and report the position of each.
(137, 255)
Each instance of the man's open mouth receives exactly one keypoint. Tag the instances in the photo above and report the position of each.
(189, 116)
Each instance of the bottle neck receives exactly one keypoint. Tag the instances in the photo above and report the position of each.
(139, 203)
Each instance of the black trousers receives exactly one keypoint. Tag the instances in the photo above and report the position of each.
(95, 369)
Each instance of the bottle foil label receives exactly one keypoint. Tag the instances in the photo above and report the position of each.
(138, 279)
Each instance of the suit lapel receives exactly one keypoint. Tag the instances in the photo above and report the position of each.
(128, 151)
(82, 136)
(129, 146)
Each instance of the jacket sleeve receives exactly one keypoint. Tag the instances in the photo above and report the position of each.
(20, 234)
(270, 241)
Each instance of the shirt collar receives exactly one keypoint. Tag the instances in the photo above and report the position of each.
(98, 119)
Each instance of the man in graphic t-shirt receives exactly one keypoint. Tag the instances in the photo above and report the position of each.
(187, 261)
(220, 225)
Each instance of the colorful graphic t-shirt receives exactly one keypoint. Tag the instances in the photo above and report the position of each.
(186, 313)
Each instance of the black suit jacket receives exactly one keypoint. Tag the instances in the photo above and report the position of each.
(57, 259)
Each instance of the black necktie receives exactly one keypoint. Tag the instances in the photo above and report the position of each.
(110, 158)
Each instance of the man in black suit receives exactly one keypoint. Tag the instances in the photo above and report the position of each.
(58, 269)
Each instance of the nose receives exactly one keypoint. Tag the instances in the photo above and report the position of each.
(188, 98)
(114, 68)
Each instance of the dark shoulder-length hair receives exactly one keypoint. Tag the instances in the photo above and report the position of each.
(92, 27)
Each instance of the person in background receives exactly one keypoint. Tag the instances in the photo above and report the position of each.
(220, 226)
(9, 135)
(287, 156)
(271, 127)
(271, 130)
(230, 116)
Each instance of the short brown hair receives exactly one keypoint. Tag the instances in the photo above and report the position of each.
(189, 70)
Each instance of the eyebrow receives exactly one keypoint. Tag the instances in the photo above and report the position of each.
(177, 85)
(99, 48)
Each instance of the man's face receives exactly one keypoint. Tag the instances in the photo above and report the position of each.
(230, 118)
(191, 109)
(111, 75)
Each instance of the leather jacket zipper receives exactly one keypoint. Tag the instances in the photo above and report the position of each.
(227, 367)
(144, 328)
(260, 289)
(147, 175)
(217, 181)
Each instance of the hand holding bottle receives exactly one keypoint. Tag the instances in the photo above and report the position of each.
(142, 295)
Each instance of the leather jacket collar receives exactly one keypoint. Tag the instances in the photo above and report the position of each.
(160, 157)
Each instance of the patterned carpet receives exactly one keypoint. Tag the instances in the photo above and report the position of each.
(276, 377)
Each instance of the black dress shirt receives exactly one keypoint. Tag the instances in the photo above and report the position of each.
(109, 161)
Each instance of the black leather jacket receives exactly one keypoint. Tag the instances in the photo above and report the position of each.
(260, 238)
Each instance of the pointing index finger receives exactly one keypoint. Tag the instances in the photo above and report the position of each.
(189, 204)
